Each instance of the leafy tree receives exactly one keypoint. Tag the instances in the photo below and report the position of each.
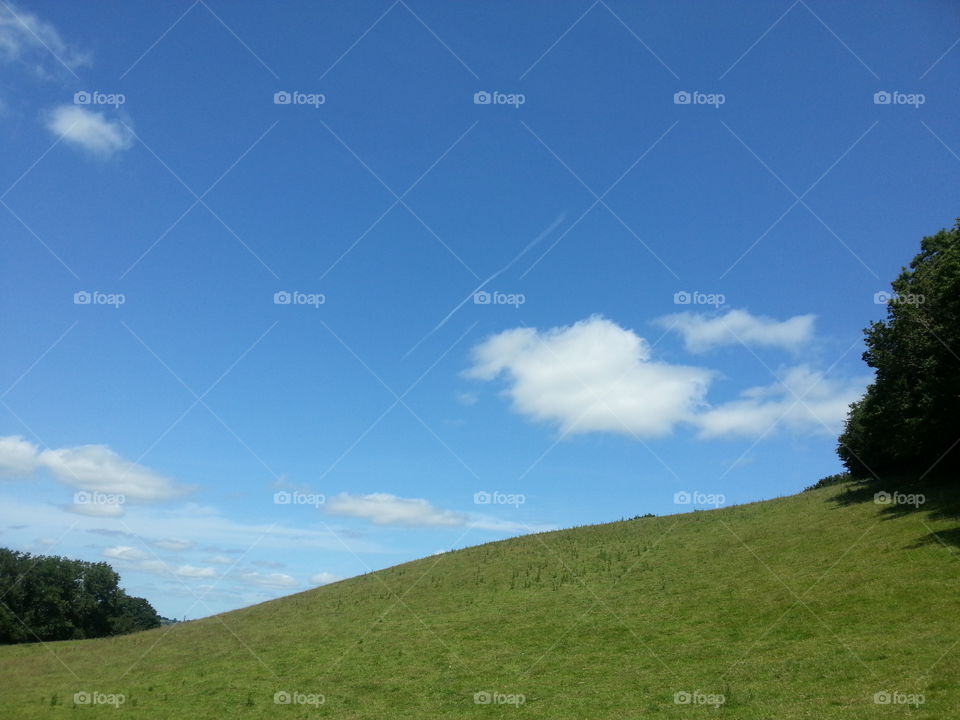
(56, 598)
(133, 614)
(907, 422)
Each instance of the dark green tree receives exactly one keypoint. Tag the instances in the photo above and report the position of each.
(132, 614)
(56, 598)
(907, 422)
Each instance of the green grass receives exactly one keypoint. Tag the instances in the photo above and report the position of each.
(800, 607)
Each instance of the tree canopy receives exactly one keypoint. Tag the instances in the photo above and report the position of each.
(907, 421)
(56, 598)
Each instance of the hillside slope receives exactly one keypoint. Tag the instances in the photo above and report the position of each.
(800, 607)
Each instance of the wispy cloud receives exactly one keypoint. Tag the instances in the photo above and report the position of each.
(94, 468)
(268, 580)
(35, 44)
(125, 552)
(802, 400)
(702, 332)
(387, 509)
(89, 130)
(133, 558)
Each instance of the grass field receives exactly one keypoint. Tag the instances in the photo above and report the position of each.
(801, 607)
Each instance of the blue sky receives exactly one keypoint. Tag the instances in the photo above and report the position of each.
(676, 215)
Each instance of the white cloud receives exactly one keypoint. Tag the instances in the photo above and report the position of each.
(98, 468)
(174, 544)
(386, 509)
(195, 572)
(324, 578)
(701, 332)
(157, 567)
(26, 39)
(17, 456)
(125, 552)
(95, 468)
(207, 527)
(132, 558)
(269, 580)
(824, 406)
(591, 376)
(89, 130)
(596, 376)
(220, 560)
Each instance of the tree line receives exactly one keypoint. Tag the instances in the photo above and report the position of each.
(44, 597)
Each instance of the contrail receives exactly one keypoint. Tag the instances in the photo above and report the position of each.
(533, 243)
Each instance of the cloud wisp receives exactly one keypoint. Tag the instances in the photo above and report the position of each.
(89, 130)
(702, 333)
(387, 509)
(93, 468)
(29, 41)
(802, 400)
(132, 558)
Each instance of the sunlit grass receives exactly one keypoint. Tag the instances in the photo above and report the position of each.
(801, 607)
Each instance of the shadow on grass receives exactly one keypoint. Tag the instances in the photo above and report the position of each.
(950, 538)
(899, 496)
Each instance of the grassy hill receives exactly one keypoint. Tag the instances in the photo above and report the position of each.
(800, 607)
